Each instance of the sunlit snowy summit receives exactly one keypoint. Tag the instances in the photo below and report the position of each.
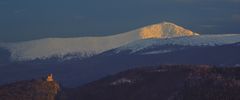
(164, 33)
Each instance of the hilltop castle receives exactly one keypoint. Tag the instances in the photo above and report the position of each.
(49, 78)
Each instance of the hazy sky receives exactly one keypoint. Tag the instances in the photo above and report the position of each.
(32, 19)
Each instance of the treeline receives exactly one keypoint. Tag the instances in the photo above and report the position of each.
(211, 83)
(30, 90)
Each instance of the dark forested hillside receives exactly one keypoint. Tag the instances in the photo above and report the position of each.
(165, 82)
(211, 84)
(30, 90)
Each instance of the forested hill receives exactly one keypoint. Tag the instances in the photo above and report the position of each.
(165, 82)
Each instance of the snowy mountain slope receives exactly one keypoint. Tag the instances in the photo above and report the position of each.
(76, 72)
(200, 40)
(88, 46)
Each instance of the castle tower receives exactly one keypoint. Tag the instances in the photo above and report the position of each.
(50, 78)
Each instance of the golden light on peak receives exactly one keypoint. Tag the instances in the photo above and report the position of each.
(151, 32)
(164, 30)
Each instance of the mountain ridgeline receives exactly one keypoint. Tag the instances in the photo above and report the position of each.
(87, 59)
(165, 82)
(88, 46)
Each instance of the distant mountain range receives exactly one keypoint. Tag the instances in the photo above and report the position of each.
(76, 61)
(88, 46)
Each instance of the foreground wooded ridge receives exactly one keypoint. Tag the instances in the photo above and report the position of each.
(165, 82)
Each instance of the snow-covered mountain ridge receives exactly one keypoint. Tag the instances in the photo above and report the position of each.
(153, 35)
(88, 46)
(200, 40)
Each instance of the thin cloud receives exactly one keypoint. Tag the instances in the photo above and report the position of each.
(78, 17)
(236, 17)
(19, 11)
(208, 26)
